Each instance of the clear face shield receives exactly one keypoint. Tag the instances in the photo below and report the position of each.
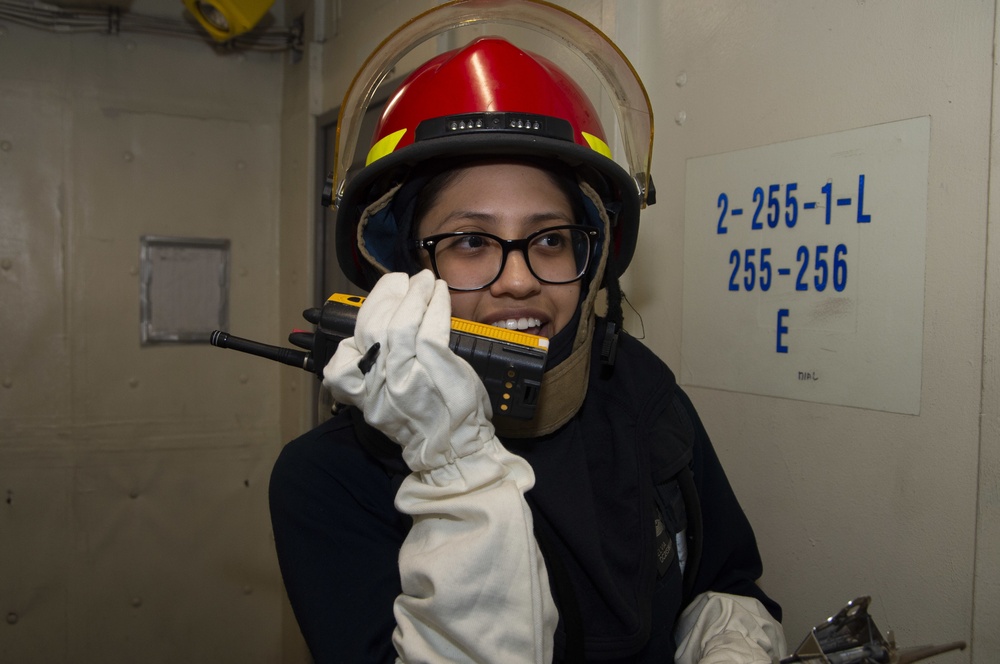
(564, 31)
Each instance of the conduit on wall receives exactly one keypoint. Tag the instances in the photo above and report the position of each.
(113, 20)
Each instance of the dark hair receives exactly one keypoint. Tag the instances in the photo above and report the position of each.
(560, 174)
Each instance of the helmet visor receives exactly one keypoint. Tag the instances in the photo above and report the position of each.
(604, 59)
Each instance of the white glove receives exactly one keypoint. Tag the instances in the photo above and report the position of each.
(418, 392)
(717, 628)
(474, 583)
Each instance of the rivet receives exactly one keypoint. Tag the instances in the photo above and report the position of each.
(6, 264)
(133, 382)
(6, 146)
(681, 117)
(244, 379)
(682, 79)
(136, 602)
(8, 383)
(12, 618)
(133, 270)
(247, 590)
(128, 156)
(133, 494)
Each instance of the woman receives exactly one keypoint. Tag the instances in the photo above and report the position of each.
(417, 523)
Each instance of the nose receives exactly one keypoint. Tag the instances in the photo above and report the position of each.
(515, 279)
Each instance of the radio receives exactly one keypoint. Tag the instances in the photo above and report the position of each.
(509, 362)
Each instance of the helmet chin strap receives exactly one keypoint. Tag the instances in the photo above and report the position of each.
(614, 319)
(564, 386)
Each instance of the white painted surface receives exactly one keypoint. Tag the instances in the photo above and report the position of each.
(804, 268)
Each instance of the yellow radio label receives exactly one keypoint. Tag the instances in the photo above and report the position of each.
(468, 326)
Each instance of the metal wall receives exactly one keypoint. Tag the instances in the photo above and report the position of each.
(133, 521)
(848, 501)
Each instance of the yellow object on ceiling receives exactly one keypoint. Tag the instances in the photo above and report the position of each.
(225, 19)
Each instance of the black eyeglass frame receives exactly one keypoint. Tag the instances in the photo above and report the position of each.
(429, 244)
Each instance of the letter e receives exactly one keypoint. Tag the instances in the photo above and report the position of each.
(782, 330)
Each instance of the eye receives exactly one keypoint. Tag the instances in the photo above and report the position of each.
(464, 244)
(551, 240)
(470, 242)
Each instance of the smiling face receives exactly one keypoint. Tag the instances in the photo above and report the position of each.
(511, 201)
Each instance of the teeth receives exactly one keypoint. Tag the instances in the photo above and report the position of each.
(518, 323)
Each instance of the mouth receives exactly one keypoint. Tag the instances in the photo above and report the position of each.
(529, 324)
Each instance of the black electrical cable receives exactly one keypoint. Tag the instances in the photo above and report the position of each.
(114, 21)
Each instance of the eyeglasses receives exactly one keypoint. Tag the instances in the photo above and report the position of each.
(473, 261)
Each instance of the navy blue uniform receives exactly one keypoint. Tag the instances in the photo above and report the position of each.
(613, 487)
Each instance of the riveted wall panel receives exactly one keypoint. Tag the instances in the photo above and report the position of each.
(37, 528)
(846, 501)
(180, 533)
(34, 368)
(179, 176)
(133, 479)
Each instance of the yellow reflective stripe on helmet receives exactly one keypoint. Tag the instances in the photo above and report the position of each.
(386, 145)
(596, 144)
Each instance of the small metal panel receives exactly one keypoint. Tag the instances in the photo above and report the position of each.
(184, 290)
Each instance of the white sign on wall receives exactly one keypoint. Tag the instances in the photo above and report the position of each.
(804, 268)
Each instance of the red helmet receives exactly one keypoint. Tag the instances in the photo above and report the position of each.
(488, 98)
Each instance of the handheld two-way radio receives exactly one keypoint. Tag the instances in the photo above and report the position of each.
(509, 362)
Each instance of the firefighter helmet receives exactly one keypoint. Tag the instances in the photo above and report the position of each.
(490, 98)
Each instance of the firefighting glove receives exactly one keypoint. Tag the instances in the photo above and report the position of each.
(412, 388)
(474, 583)
(719, 628)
